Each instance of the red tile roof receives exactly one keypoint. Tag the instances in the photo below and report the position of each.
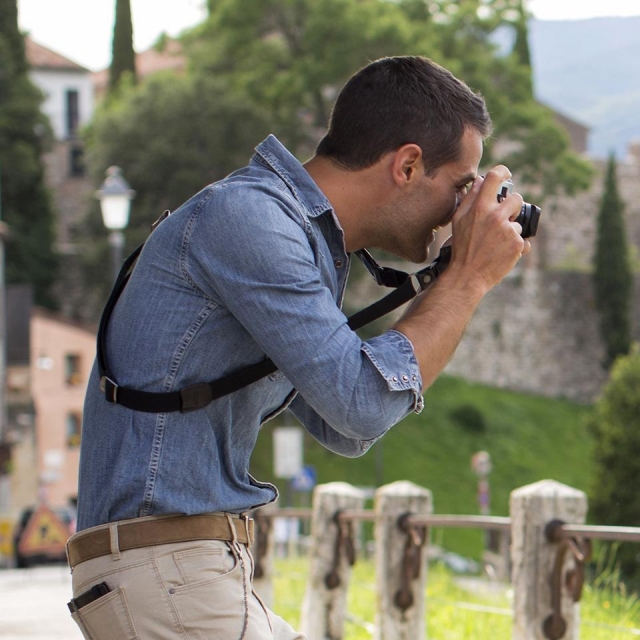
(40, 57)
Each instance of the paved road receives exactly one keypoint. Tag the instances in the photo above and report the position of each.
(33, 604)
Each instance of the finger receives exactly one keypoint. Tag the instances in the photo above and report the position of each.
(526, 248)
(514, 203)
(517, 227)
(493, 179)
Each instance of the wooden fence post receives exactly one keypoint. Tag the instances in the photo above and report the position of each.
(533, 559)
(401, 561)
(325, 601)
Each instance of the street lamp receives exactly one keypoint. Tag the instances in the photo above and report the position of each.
(115, 197)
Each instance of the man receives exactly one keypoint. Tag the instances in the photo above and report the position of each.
(255, 267)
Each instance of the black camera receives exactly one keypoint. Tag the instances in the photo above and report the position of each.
(529, 214)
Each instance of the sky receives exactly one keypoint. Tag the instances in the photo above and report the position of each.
(82, 29)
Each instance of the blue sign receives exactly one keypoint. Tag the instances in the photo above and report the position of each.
(305, 479)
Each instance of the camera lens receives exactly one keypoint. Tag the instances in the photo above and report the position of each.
(528, 219)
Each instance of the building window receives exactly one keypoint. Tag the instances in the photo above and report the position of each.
(72, 373)
(73, 113)
(74, 427)
(76, 162)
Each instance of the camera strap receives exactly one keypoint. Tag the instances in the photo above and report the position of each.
(196, 396)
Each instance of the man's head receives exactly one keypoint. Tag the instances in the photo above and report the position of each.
(395, 101)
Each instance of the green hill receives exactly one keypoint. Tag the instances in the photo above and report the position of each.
(529, 438)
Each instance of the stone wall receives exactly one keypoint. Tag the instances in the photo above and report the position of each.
(568, 227)
(535, 332)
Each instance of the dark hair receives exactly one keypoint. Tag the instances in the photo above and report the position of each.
(401, 100)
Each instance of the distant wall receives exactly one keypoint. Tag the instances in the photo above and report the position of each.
(568, 225)
(536, 332)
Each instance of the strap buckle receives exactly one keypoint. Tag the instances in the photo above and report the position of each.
(195, 397)
(110, 389)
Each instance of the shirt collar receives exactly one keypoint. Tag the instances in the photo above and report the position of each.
(272, 152)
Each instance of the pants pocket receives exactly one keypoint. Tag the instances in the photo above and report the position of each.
(107, 618)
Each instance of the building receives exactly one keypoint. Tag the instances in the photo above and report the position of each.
(48, 364)
(71, 93)
(68, 103)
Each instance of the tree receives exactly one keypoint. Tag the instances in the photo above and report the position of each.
(171, 135)
(24, 132)
(292, 56)
(612, 276)
(615, 423)
(123, 57)
(521, 46)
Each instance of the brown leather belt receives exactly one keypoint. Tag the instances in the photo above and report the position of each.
(146, 533)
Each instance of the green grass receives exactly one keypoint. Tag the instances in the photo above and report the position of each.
(457, 613)
(530, 438)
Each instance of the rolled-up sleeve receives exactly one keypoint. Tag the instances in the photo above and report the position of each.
(350, 391)
(388, 390)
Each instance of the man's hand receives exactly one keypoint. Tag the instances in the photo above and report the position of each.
(486, 242)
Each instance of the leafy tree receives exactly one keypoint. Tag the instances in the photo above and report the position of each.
(123, 57)
(612, 277)
(24, 132)
(171, 136)
(615, 422)
(292, 56)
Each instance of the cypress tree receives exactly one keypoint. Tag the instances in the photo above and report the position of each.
(25, 200)
(521, 45)
(612, 277)
(123, 57)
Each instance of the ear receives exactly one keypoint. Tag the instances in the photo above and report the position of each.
(407, 164)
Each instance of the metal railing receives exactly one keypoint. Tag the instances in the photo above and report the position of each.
(574, 540)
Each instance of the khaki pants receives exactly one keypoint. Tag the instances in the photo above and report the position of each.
(188, 590)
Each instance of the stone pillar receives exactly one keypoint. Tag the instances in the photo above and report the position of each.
(533, 557)
(325, 601)
(400, 614)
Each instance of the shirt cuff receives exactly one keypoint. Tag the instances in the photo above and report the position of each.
(393, 356)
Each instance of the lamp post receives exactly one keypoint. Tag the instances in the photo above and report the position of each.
(115, 197)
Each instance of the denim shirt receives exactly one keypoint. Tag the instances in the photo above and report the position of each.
(253, 266)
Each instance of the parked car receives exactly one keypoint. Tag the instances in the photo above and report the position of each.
(56, 553)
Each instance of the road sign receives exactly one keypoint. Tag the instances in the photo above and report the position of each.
(305, 479)
(287, 451)
(44, 534)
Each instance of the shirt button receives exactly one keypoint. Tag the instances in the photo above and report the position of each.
(405, 378)
(395, 378)
(338, 264)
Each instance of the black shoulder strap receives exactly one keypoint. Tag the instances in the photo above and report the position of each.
(197, 396)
